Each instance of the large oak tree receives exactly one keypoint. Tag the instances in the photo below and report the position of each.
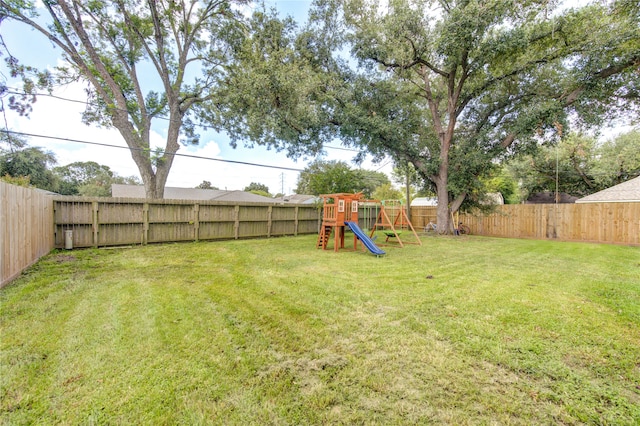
(485, 77)
(450, 87)
(144, 61)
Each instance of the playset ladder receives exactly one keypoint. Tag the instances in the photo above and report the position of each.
(323, 237)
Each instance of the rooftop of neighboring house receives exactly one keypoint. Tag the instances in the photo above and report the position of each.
(625, 192)
(548, 197)
(300, 199)
(172, 193)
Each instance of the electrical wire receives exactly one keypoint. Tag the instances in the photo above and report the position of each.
(245, 163)
(14, 91)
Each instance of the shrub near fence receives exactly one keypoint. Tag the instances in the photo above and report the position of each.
(595, 222)
(98, 222)
(26, 228)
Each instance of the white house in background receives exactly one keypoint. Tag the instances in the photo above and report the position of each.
(494, 198)
(625, 192)
(301, 199)
(137, 191)
(424, 202)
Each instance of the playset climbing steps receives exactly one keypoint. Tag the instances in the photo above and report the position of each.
(323, 236)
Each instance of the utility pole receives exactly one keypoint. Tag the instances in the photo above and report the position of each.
(408, 193)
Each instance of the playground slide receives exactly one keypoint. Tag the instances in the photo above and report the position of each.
(373, 248)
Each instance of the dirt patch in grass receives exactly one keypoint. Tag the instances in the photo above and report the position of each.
(64, 258)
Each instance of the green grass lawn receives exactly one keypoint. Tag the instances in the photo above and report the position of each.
(465, 330)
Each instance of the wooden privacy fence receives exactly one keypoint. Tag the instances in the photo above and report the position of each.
(595, 222)
(98, 222)
(32, 222)
(26, 228)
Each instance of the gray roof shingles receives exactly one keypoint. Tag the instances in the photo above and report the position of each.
(171, 193)
(625, 192)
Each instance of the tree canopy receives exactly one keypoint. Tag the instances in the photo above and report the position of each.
(478, 80)
(259, 187)
(30, 162)
(205, 184)
(88, 179)
(332, 177)
(449, 87)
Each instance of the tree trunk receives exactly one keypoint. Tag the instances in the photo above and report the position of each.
(442, 211)
(163, 166)
(442, 178)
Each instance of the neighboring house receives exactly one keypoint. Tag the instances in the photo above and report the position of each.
(137, 191)
(424, 201)
(301, 199)
(493, 199)
(548, 197)
(625, 192)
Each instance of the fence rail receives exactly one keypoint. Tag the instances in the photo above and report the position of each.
(98, 222)
(594, 222)
(26, 228)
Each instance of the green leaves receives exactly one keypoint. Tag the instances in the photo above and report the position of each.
(579, 165)
(332, 177)
(277, 89)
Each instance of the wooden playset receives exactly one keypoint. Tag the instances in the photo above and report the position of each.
(341, 210)
(337, 209)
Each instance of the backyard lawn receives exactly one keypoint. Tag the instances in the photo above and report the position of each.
(466, 330)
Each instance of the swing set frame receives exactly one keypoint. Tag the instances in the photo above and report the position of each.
(393, 229)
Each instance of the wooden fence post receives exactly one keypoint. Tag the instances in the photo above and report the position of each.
(145, 223)
(236, 225)
(96, 223)
(196, 221)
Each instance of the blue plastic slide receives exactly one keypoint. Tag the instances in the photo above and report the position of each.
(373, 248)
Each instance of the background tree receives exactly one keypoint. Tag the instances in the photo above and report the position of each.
(257, 188)
(331, 177)
(206, 185)
(578, 165)
(123, 48)
(326, 177)
(618, 159)
(32, 163)
(504, 183)
(388, 192)
(368, 181)
(88, 179)
(569, 163)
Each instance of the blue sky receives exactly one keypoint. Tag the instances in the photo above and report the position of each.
(60, 118)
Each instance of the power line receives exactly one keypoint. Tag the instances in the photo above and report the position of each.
(14, 91)
(245, 163)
